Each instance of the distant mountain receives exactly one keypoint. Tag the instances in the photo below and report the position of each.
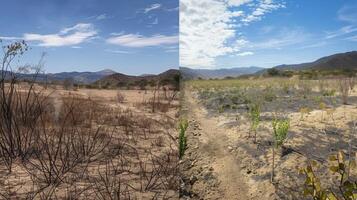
(170, 77)
(340, 61)
(76, 77)
(189, 73)
(81, 77)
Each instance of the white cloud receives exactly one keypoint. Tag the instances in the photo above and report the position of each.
(66, 37)
(264, 7)
(204, 31)
(173, 9)
(246, 53)
(152, 7)
(238, 2)
(209, 28)
(102, 17)
(135, 40)
(10, 38)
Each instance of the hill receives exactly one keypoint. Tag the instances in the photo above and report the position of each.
(81, 77)
(340, 61)
(169, 78)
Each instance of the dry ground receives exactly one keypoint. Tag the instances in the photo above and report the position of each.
(222, 162)
(135, 148)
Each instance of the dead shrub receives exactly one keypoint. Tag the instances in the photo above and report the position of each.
(120, 97)
(344, 86)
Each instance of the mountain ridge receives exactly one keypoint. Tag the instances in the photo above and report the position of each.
(189, 73)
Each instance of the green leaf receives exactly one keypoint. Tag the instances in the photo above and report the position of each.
(331, 196)
(332, 158)
(334, 169)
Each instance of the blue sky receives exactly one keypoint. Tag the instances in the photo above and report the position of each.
(264, 33)
(133, 37)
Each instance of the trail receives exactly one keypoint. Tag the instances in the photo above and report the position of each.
(213, 147)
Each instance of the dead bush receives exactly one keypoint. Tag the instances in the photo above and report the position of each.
(344, 86)
(120, 97)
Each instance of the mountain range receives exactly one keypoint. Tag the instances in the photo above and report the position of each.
(76, 77)
(340, 61)
(189, 73)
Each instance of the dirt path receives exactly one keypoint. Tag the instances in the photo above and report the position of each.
(212, 147)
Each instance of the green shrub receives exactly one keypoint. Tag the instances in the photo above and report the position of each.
(281, 128)
(338, 165)
(280, 132)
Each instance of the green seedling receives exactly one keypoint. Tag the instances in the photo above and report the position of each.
(182, 137)
(280, 133)
(254, 114)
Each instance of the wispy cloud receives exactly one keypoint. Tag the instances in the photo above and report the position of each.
(348, 13)
(264, 7)
(135, 40)
(352, 38)
(102, 17)
(155, 22)
(152, 7)
(314, 45)
(209, 28)
(286, 37)
(172, 9)
(340, 32)
(66, 37)
(118, 51)
(246, 53)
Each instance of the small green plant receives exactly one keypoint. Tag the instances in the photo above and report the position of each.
(182, 137)
(329, 93)
(312, 185)
(254, 114)
(338, 165)
(280, 133)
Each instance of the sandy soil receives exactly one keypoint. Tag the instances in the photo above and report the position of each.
(209, 158)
